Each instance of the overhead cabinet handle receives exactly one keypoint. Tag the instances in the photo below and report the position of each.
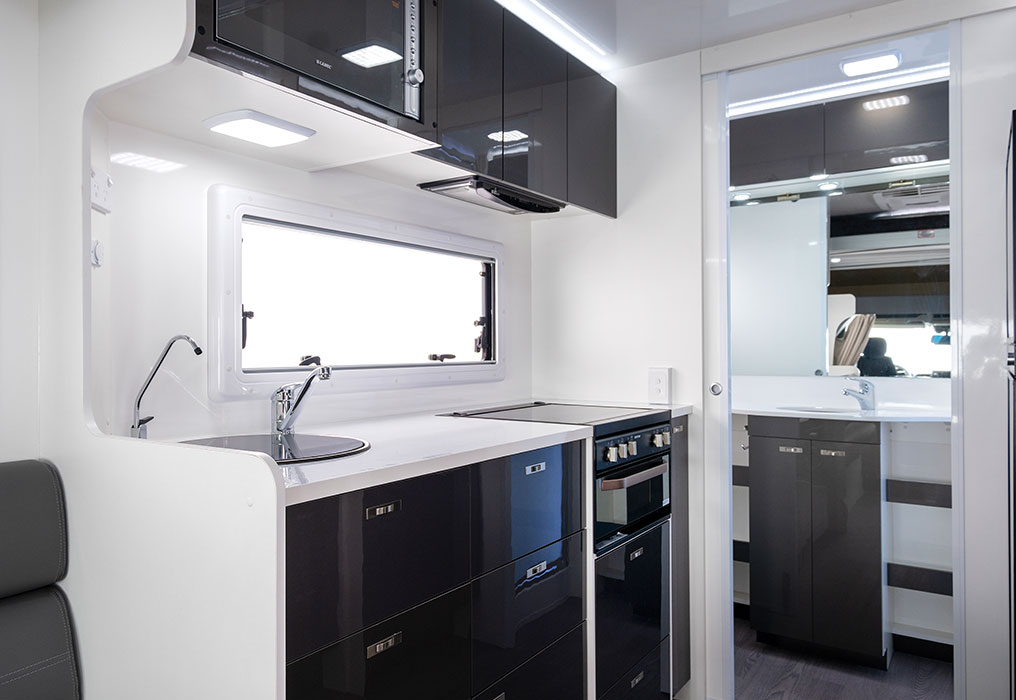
(636, 478)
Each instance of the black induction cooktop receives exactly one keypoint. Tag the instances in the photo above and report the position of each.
(605, 420)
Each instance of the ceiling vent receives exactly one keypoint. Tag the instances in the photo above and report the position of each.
(914, 199)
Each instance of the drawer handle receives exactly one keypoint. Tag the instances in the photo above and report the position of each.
(386, 509)
(832, 453)
(679, 429)
(384, 645)
(535, 469)
(638, 679)
(636, 554)
(792, 450)
(536, 570)
(636, 478)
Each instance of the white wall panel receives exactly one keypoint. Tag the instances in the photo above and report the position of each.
(922, 615)
(920, 452)
(19, 240)
(159, 246)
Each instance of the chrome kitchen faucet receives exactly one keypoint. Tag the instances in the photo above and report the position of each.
(139, 428)
(287, 401)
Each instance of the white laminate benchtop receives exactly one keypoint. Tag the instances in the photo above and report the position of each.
(403, 447)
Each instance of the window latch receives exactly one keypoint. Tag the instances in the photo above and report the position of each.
(440, 358)
(244, 317)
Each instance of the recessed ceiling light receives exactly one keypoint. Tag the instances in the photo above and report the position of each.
(371, 56)
(871, 64)
(262, 129)
(507, 136)
(827, 186)
(907, 160)
(752, 203)
(743, 197)
(818, 176)
(838, 193)
(150, 163)
(835, 260)
(886, 103)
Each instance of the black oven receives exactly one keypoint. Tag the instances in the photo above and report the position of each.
(632, 483)
(360, 54)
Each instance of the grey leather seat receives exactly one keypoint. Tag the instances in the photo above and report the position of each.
(37, 653)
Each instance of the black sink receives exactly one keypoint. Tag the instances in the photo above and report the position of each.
(289, 449)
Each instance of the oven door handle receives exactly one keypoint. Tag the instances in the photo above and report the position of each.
(637, 478)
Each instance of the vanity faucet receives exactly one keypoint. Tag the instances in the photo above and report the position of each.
(288, 399)
(865, 393)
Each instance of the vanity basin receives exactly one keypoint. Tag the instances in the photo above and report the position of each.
(818, 409)
(289, 449)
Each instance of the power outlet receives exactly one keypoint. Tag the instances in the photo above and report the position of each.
(659, 385)
(102, 192)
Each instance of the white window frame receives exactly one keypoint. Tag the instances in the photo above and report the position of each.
(227, 207)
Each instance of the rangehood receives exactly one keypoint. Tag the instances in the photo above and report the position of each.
(494, 195)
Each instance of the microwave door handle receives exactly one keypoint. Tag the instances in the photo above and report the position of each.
(637, 478)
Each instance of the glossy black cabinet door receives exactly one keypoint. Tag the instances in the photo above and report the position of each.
(421, 654)
(355, 559)
(470, 92)
(778, 146)
(847, 559)
(556, 673)
(592, 139)
(649, 679)
(523, 502)
(521, 608)
(863, 139)
(535, 150)
(680, 632)
(632, 603)
(781, 541)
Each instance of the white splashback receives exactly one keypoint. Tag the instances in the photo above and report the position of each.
(153, 285)
(760, 393)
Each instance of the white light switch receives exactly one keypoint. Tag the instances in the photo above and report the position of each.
(102, 192)
(659, 384)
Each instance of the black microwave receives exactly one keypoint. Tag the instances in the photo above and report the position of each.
(369, 56)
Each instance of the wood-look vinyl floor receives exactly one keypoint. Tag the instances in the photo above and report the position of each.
(765, 672)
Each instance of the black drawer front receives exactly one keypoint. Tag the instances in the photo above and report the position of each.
(355, 559)
(521, 608)
(649, 679)
(556, 673)
(421, 654)
(814, 429)
(632, 603)
(524, 502)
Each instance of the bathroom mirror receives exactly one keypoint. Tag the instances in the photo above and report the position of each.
(808, 255)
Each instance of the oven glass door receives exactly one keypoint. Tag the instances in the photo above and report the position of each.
(626, 497)
(365, 47)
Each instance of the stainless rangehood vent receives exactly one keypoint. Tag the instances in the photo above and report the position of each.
(494, 195)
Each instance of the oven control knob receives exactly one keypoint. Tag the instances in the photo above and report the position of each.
(658, 440)
(633, 448)
(623, 450)
(666, 438)
(612, 454)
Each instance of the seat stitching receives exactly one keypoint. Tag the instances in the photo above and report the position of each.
(42, 668)
(40, 661)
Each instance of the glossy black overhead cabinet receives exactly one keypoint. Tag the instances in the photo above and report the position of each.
(514, 106)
